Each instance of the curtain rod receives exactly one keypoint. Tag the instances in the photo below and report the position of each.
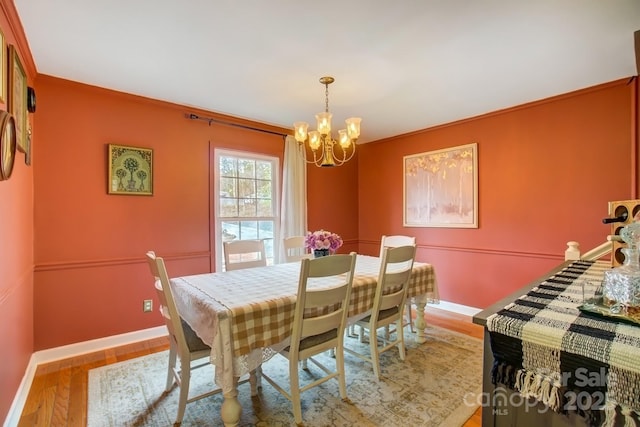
(192, 116)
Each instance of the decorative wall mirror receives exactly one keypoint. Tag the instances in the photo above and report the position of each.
(7, 144)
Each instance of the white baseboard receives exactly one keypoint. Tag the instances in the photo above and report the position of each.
(71, 350)
(13, 417)
(457, 308)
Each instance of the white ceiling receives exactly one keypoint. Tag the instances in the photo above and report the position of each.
(401, 66)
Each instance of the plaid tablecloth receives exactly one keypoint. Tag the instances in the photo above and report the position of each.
(245, 314)
(547, 349)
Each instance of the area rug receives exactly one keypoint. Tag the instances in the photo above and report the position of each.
(438, 384)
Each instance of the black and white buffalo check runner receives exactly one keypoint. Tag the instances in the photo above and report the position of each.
(547, 349)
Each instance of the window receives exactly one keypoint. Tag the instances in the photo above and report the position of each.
(246, 202)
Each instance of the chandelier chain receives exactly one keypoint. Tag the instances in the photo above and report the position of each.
(326, 97)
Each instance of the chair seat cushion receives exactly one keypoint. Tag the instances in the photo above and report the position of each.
(314, 340)
(382, 315)
(193, 341)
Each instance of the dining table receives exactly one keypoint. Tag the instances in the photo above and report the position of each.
(246, 315)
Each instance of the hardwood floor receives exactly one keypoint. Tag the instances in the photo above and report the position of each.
(58, 394)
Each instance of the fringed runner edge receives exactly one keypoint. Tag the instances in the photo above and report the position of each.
(503, 373)
(552, 394)
(541, 387)
(616, 415)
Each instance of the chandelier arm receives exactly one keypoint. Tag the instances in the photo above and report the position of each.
(324, 151)
(316, 160)
(345, 159)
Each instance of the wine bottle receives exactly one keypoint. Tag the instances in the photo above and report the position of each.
(621, 215)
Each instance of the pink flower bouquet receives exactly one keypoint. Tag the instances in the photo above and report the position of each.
(322, 240)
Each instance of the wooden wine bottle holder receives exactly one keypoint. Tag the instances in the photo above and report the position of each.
(616, 209)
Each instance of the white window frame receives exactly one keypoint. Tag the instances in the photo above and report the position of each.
(275, 188)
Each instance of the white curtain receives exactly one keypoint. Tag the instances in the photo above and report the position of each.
(293, 209)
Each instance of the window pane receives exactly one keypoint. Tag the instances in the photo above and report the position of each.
(266, 229)
(264, 208)
(263, 170)
(246, 188)
(268, 248)
(265, 232)
(228, 207)
(228, 187)
(248, 230)
(246, 168)
(248, 208)
(228, 166)
(230, 230)
(263, 189)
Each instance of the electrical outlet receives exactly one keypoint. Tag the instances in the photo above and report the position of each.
(147, 305)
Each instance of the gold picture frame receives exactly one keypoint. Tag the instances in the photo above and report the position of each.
(7, 144)
(18, 99)
(130, 170)
(3, 68)
(441, 188)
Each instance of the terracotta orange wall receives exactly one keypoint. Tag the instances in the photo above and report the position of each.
(333, 201)
(16, 251)
(546, 173)
(90, 275)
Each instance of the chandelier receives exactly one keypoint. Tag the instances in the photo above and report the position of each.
(326, 151)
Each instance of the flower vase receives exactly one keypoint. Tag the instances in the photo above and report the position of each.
(317, 253)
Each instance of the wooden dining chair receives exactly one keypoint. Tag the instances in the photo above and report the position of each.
(184, 344)
(294, 249)
(319, 322)
(240, 254)
(388, 305)
(393, 242)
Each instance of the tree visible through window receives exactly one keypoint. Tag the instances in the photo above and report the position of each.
(246, 200)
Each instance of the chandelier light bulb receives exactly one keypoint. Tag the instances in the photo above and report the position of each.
(353, 127)
(324, 122)
(314, 140)
(301, 131)
(343, 138)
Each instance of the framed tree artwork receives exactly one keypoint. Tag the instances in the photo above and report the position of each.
(130, 170)
(441, 188)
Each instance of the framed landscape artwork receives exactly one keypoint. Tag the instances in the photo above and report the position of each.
(3, 69)
(441, 188)
(130, 170)
(18, 98)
